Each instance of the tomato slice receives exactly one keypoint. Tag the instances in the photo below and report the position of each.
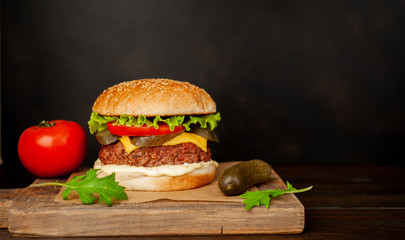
(122, 130)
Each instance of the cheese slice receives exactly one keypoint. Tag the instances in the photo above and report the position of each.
(129, 147)
(189, 137)
(182, 138)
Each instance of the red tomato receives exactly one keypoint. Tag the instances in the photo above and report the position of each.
(53, 150)
(121, 130)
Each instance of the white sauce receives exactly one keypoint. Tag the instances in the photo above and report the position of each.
(166, 170)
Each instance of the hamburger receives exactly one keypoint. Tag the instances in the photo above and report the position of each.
(154, 134)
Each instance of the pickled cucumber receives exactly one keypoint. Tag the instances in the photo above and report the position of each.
(153, 141)
(105, 137)
(240, 177)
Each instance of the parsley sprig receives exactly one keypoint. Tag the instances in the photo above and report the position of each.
(107, 188)
(258, 198)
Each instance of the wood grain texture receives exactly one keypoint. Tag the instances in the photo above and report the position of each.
(370, 204)
(35, 213)
(6, 200)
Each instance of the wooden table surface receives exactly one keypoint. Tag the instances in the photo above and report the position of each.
(346, 203)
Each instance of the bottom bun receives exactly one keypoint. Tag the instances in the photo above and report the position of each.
(161, 178)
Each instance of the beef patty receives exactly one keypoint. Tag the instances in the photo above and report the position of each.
(153, 156)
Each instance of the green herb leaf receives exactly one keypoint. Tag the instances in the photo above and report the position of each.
(98, 123)
(107, 188)
(258, 198)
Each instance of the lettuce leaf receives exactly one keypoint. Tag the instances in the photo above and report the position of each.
(98, 123)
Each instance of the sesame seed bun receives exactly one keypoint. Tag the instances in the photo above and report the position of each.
(152, 97)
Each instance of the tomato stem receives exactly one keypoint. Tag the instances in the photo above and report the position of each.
(45, 123)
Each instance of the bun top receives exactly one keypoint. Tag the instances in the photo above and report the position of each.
(151, 97)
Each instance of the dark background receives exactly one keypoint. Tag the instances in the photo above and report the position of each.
(296, 82)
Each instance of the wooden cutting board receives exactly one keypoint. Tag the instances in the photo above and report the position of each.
(34, 212)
